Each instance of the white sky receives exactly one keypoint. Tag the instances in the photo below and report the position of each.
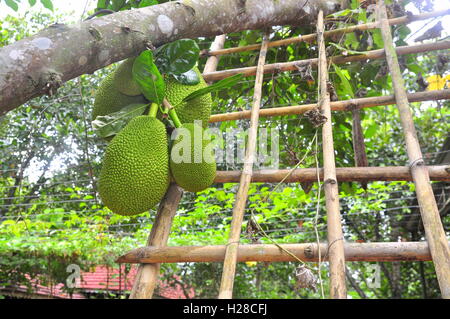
(74, 8)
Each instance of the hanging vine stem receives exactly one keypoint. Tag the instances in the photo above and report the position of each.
(274, 242)
(292, 169)
(255, 222)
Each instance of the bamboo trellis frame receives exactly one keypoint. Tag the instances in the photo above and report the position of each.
(437, 248)
(340, 59)
(345, 105)
(312, 37)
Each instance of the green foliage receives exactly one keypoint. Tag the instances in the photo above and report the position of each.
(189, 78)
(177, 57)
(148, 77)
(109, 125)
(120, 5)
(219, 85)
(14, 4)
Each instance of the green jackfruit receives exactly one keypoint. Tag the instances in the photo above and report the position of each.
(135, 172)
(108, 100)
(123, 79)
(196, 109)
(192, 161)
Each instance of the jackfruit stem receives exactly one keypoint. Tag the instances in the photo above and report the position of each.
(172, 114)
(153, 110)
(174, 117)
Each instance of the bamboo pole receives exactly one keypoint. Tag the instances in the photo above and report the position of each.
(340, 59)
(229, 266)
(335, 236)
(343, 174)
(335, 106)
(434, 230)
(312, 37)
(148, 274)
(308, 252)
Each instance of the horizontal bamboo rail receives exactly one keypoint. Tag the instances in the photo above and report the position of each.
(388, 251)
(290, 66)
(312, 37)
(343, 174)
(346, 105)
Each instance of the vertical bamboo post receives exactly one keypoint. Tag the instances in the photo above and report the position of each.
(434, 230)
(148, 274)
(229, 266)
(335, 237)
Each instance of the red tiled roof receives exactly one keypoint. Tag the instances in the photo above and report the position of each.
(103, 278)
(40, 291)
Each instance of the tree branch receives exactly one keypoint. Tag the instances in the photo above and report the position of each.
(40, 64)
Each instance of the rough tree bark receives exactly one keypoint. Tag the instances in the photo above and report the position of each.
(41, 63)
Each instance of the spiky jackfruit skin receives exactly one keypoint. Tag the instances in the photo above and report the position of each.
(188, 112)
(192, 176)
(109, 100)
(135, 172)
(123, 79)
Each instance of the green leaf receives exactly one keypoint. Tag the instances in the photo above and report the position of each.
(111, 124)
(222, 84)
(371, 130)
(377, 38)
(346, 51)
(32, 2)
(12, 4)
(344, 13)
(147, 3)
(415, 68)
(351, 41)
(148, 77)
(344, 77)
(102, 4)
(177, 57)
(118, 4)
(190, 77)
(47, 4)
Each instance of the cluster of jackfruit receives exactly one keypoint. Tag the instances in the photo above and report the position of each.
(137, 164)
